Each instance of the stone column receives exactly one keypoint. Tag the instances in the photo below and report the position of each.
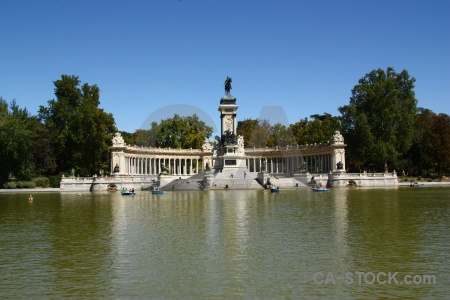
(131, 165)
(175, 166)
(154, 166)
(136, 165)
(196, 166)
(183, 166)
(172, 162)
(338, 156)
(145, 166)
(149, 166)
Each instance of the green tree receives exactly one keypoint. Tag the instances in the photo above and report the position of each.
(378, 123)
(318, 130)
(298, 129)
(246, 128)
(177, 132)
(439, 145)
(148, 138)
(17, 136)
(260, 136)
(44, 160)
(81, 132)
(429, 154)
(129, 138)
(322, 117)
(280, 135)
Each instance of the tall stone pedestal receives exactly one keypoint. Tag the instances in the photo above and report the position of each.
(263, 178)
(303, 177)
(164, 179)
(233, 160)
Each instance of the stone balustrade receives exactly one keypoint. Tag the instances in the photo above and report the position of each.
(340, 179)
(157, 150)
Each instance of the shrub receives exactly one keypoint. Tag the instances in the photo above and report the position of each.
(29, 184)
(54, 181)
(430, 174)
(9, 185)
(41, 182)
(25, 184)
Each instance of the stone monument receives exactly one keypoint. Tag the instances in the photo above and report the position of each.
(229, 150)
(165, 176)
(301, 173)
(118, 155)
(338, 157)
(263, 177)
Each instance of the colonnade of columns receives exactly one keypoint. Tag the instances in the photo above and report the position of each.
(321, 163)
(152, 166)
(188, 164)
(132, 160)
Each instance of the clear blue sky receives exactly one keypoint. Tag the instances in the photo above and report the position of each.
(154, 57)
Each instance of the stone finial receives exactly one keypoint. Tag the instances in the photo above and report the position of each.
(118, 140)
(338, 138)
(206, 146)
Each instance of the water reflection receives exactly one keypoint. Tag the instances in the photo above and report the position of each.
(60, 239)
(342, 226)
(230, 244)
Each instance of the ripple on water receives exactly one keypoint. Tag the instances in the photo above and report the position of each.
(232, 244)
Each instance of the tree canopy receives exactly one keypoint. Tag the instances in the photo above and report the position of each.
(176, 132)
(246, 128)
(16, 141)
(260, 133)
(378, 123)
(318, 130)
(80, 131)
(429, 154)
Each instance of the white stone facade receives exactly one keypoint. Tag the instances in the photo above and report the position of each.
(316, 158)
(363, 179)
(134, 160)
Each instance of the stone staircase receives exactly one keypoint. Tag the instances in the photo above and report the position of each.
(287, 182)
(235, 179)
(196, 182)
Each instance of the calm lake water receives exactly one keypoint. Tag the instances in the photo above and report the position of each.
(350, 243)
